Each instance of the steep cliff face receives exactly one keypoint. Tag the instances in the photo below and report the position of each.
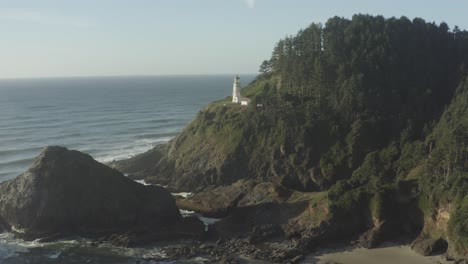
(443, 180)
(227, 142)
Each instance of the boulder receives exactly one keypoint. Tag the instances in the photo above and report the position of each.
(374, 236)
(428, 245)
(68, 192)
(458, 255)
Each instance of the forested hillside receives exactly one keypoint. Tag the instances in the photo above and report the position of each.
(369, 114)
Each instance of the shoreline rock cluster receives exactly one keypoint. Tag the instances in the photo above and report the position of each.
(66, 192)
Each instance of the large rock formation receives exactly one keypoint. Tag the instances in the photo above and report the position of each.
(219, 201)
(68, 192)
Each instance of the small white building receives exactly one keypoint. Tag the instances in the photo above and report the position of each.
(245, 101)
(236, 96)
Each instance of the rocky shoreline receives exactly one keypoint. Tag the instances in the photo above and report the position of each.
(258, 222)
(261, 221)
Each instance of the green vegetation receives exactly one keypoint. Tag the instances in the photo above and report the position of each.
(368, 111)
(313, 197)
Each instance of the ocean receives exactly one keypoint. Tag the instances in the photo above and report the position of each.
(110, 118)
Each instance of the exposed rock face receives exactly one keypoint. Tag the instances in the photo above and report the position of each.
(269, 217)
(4, 226)
(187, 228)
(68, 192)
(437, 236)
(428, 246)
(140, 165)
(459, 256)
(259, 211)
(219, 201)
(372, 237)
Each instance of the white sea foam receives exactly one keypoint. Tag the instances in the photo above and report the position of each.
(183, 194)
(136, 252)
(207, 221)
(54, 255)
(186, 213)
(10, 246)
(142, 182)
(130, 150)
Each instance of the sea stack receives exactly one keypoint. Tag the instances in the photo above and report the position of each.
(68, 192)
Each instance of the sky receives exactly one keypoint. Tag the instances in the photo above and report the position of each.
(57, 38)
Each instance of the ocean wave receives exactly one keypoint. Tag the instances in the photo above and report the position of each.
(10, 247)
(164, 136)
(16, 163)
(8, 174)
(36, 119)
(176, 124)
(13, 151)
(36, 107)
(128, 151)
(119, 121)
(32, 127)
(63, 136)
(109, 119)
(98, 119)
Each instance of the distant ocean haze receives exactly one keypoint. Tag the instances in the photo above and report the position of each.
(109, 118)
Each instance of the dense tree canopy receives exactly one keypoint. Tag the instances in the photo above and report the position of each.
(369, 65)
(395, 92)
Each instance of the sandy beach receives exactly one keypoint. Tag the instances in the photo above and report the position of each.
(387, 254)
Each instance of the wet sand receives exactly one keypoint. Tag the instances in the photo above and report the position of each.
(387, 254)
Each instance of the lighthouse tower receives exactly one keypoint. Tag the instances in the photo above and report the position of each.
(236, 97)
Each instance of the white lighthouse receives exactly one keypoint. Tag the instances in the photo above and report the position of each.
(236, 97)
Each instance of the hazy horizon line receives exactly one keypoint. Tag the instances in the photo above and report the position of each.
(121, 76)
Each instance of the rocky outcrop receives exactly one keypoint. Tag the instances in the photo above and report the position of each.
(141, 165)
(219, 201)
(4, 226)
(454, 253)
(427, 245)
(432, 238)
(187, 228)
(272, 218)
(439, 237)
(259, 211)
(374, 236)
(68, 192)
